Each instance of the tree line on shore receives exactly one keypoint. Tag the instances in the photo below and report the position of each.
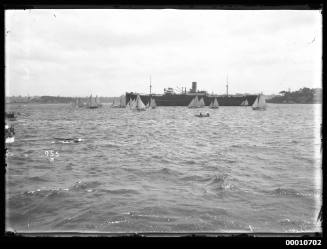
(55, 99)
(304, 95)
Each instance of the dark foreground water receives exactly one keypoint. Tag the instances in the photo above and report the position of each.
(165, 170)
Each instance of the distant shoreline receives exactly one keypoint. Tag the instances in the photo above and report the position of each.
(108, 103)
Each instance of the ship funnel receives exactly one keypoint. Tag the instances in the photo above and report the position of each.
(193, 87)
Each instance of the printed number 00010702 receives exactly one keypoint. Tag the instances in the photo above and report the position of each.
(303, 242)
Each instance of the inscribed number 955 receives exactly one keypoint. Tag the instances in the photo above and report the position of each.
(51, 153)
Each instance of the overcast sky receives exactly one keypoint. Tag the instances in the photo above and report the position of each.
(109, 52)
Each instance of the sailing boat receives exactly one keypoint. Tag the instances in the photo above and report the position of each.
(114, 105)
(122, 101)
(153, 103)
(214, 104)
(92, 103)
(130, 103)
(201, 103)
(259, 103)
(245, 103)
(195, 103)
(138, 104)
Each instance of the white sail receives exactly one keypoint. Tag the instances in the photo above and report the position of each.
(153, 103)
(191, 104)
(138, 105)
(201, 103)
(128, 105)
(215, 103)
(262, 101)
(122, 101)
(211, 104)
(196, 102)
(133, 104)
(92, 103)
(255, 103)
(259, 103)
(246, 103)
(89, 102)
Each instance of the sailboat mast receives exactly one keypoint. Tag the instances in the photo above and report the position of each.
(150, 85)
(227, 85)
(150, 89)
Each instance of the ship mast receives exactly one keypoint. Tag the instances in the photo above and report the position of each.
(150, 89)
(227, 85)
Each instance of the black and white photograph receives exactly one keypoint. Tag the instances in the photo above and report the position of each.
(161, 121)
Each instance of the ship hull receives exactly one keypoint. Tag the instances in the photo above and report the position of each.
(259, 108)
(185, 99)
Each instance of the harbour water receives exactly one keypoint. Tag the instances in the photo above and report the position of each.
(164, 170)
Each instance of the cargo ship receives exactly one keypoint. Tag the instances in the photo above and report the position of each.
(171, 98)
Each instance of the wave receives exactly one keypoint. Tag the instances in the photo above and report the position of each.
(44, 192)
(120, 191)
(111, 145)
(167, 171)
(219, 182)
(193, 178)
(214, 183)
(190, 162)
(292, 192)
(38, 179)
(85, 185)
(237, 146)
(163, 172)
(306, 159)
(153, 217)
(291, 225)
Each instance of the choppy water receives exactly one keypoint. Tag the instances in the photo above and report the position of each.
(165, 170)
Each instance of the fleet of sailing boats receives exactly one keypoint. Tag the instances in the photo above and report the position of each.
(122, 102)
(93, 103)
(137, 104)
(195, 103)
(78, 103)
(259, 103)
